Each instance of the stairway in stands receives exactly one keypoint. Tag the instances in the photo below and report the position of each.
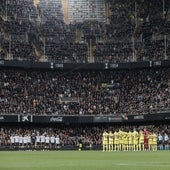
(65, 11)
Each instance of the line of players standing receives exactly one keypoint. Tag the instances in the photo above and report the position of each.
(127, 141)
(34, 141)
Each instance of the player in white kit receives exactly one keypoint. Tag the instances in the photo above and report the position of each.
(52, 141)
(16, 140)
(37, 141)
(25, 139)
(12, 141)
(47, 141)
(29, 140)
(57, 141)
(42, 140)
(20, 141)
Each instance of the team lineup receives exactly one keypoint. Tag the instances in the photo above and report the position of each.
(129, 141)
(34, 141)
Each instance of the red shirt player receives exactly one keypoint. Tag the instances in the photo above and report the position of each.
(146, 133)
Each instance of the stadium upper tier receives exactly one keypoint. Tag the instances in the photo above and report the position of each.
(80, 31)
(84, 92)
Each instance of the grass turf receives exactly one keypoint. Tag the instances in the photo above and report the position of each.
(84, 160)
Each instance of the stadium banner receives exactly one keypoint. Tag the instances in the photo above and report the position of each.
(9, 118)
(79, 66)
(163, 63)
(106, 119)
(148, 117)
(83, 66)
(41, 65)
(62, 119)
(83, 119)
(131, 65)
(47, 119)
(25, 118)
(135, 118)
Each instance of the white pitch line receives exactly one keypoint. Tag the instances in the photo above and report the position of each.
(144, 164)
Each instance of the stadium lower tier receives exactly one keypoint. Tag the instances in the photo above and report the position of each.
(108, 138)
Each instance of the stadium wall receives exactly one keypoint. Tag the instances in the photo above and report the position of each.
(83, 66)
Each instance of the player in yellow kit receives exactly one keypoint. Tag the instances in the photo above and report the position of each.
(111, 141)
(135, 140)
(125, 141)
(130, 140)
(154, 141)
(116, 141)
(141, 141)
(150, 139)
(120, 139)
(105, 141)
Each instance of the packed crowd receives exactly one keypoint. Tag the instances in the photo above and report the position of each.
(66, 53)
(154, 50)
(22, 9)
(114, 52)
(84, 92)
(51, 137)
(20, 51)
(40, 27)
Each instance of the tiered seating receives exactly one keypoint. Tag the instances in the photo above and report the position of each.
(85, 92)
(66, 53)
(127, 35)
(113, 52)
(19, 9)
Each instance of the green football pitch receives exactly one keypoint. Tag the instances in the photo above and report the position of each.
(84, 160)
